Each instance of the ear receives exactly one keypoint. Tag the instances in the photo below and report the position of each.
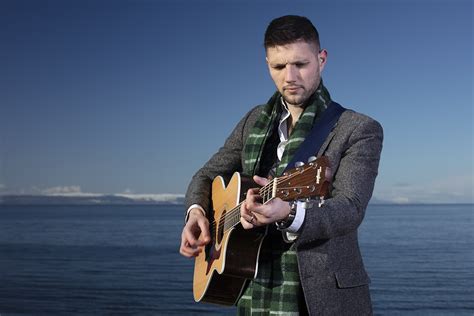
(322, 58)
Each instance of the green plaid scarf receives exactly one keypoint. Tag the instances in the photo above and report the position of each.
(277, 288)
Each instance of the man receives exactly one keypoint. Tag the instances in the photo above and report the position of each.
(310, 261)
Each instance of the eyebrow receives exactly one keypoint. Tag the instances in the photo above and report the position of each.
(301, 61)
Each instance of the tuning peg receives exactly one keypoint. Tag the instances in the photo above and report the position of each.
(311, 159)
(299, 164)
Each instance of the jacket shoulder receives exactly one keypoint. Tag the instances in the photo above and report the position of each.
(355, 119)
(352, 115)
(254, 113)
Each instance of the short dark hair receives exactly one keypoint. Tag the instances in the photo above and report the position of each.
(289, 29)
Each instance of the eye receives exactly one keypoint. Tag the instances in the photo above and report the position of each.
(300, 65)
(278, 67)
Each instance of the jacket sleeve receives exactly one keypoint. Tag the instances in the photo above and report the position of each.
(356, 164)
(224, 163)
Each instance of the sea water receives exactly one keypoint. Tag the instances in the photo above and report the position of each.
(124, 260)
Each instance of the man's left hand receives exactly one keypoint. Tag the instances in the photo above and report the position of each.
(253, 213)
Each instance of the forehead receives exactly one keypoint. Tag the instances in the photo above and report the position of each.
(288, 53)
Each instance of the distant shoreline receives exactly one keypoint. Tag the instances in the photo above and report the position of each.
(117, 200)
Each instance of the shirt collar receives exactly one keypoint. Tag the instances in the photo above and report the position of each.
(283, 127)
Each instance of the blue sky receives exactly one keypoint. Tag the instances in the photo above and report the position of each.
(134, 96)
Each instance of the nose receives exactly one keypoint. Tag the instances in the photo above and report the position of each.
(291, 73)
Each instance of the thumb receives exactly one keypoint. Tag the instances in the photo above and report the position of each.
(260, 181)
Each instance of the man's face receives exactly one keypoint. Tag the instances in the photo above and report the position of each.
(296, 70)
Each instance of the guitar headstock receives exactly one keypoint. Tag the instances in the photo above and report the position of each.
(309, 180)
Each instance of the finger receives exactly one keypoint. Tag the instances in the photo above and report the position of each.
(184, 251)
(245, 213)
(190, 252)
(253, 199)
(251, 218)
(189, 237)
(245, 223)
(255, 221)
(245, 216)
(253, 192)
(250, 194)
(260, 181)
(205, 236)
(258, 210)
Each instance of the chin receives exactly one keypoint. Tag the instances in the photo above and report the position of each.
(298, 101)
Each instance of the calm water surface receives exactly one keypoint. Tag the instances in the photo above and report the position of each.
(123, 260)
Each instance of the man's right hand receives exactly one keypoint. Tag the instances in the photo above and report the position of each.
(195, 234)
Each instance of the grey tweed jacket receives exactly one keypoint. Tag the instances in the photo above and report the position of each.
(331, 269)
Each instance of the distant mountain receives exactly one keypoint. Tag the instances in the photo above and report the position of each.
(89, 199)
(374, 200)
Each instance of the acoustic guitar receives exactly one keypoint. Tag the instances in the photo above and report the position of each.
(221, 270)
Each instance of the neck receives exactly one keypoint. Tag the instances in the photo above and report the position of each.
(295, 113)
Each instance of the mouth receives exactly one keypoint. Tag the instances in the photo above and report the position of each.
(292, 89)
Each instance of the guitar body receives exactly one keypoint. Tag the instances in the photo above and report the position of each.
(221, 270)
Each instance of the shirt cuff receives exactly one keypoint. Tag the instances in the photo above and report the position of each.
(199, 207)
(299, 218)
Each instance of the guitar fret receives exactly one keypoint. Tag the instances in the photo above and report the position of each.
(274, 188)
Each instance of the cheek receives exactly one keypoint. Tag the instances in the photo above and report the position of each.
(277, 78)
(273, 76)
(312, 76)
